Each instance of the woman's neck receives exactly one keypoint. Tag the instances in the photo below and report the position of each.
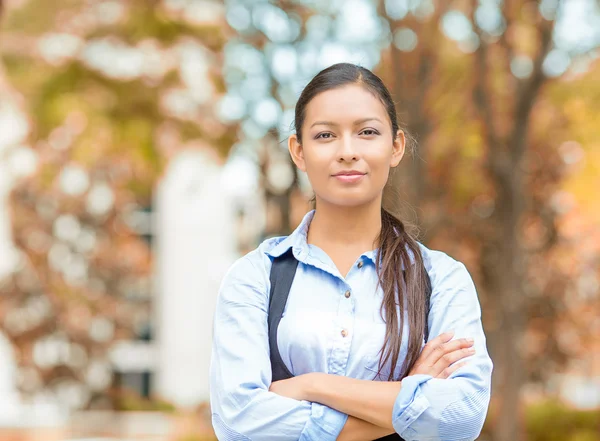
(350, 227)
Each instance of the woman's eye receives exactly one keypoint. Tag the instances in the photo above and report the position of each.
(325, 135)
(369, 132)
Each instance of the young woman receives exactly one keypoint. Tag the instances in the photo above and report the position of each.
(354, 330)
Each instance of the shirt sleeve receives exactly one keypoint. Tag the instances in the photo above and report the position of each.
(432, 409)
(240, 372)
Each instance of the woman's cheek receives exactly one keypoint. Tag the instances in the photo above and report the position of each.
(379, 172)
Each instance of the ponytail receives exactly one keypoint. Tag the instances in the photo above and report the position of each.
(398, 250)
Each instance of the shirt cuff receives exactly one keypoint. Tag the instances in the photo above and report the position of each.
(410, 402)
(324, 424)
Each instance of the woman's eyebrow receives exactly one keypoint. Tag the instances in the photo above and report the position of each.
(364, 120)
(357, 122)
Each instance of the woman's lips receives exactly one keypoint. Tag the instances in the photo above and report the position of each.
(350, 178)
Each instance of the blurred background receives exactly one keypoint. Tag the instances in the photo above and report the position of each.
(142, 150)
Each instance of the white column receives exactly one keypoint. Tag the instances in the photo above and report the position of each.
(195, 245)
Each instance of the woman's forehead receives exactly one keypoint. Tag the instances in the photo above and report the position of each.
(345, 104)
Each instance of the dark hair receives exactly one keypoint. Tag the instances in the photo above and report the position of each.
(396, 244)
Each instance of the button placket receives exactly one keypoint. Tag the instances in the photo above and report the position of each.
(344, 324)
(341, 351)
(347, 306)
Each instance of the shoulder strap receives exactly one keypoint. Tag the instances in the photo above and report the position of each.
(428, 290)
(282, 275)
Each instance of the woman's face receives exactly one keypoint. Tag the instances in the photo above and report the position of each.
(347, 146)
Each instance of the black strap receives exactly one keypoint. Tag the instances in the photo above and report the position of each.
(428, 289)
(282, 275)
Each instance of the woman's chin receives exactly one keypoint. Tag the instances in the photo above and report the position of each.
(350, 201)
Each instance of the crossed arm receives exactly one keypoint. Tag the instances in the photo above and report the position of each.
(246, 405)
(370, 404)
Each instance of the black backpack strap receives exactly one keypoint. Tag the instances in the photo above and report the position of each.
(282, 275)
(428, 290)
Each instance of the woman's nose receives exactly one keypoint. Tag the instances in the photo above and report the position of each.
(347, 151)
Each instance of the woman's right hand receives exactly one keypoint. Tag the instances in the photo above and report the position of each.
(439, 356)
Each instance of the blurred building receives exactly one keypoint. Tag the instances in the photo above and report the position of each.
(118, 220)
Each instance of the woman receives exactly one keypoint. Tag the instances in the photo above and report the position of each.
(358, 303)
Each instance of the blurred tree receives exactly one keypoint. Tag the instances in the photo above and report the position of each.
(114, 89)
(469, 80)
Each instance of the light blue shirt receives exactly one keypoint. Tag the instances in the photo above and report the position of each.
(310, 339)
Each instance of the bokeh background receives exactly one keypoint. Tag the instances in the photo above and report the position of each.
(142, 150)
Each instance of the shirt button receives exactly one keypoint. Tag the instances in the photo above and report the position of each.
(344, 333)
(360, 264)
(348, 294)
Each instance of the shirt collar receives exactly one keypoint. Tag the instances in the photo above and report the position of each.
(298, 241)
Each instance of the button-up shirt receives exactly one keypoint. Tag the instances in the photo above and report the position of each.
(333, 324)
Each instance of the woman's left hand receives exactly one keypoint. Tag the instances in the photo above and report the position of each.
(296, 387)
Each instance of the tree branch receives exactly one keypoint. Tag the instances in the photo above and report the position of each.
(528, 91)
(482, 97)
(430, 54)
(511, 8)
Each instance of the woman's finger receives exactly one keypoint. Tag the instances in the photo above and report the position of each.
(445, 348)
(434, 357)
(436, 342)
(445, 374)
(447, 360)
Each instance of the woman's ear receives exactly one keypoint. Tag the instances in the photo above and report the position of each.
(398, 148)
(296, 152)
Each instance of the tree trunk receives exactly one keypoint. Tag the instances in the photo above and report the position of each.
(503, 264)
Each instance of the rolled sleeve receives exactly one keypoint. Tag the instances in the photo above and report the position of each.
(410, 403)
(454, 408)
(324, 424)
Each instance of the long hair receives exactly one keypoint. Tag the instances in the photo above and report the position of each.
(400, 267)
